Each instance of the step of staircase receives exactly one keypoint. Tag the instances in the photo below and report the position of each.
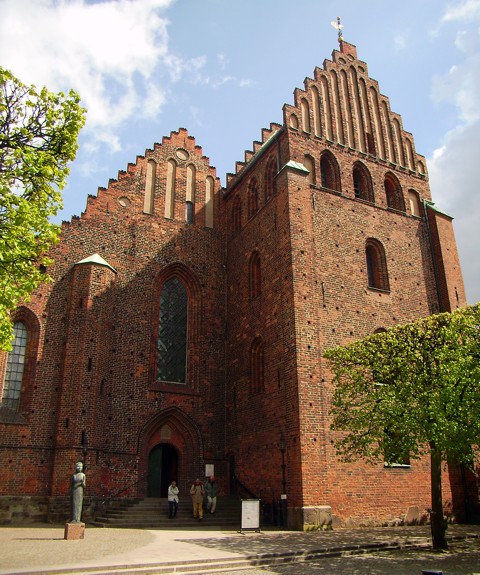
(152, 513)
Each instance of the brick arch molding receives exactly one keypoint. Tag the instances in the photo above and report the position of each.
(185, 437)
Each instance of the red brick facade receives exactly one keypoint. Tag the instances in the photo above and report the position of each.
(276, 268)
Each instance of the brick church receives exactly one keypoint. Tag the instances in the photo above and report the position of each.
(184, 329)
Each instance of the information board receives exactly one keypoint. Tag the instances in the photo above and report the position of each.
(250, 515)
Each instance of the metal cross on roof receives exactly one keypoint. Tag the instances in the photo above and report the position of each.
(338, 27)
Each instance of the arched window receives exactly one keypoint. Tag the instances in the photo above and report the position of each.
(257, 370)
(172, 332)
(329, 172)
(270, 173)
(393, 192)
(12, 383)
(237, 214)
(362, 183)
(190, 195)
(377, 273)
(254, 275)
(189, 212)
(252, 197)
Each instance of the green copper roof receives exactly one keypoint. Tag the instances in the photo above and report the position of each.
(96, 259)
(433, 207)
(292, 165)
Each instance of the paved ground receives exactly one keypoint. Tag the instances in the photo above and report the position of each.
(462, 559)
(43, 549)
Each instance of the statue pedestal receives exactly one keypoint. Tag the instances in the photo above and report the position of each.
(74, 531)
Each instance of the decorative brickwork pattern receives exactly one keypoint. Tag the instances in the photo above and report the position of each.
(325, 233)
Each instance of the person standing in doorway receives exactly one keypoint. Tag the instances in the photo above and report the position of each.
(172, 499)
(196, 491)
(211, 491)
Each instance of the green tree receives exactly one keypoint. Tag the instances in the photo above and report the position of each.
(410, 391)
(38, 138)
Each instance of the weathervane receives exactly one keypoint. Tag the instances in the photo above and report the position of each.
(338, 27)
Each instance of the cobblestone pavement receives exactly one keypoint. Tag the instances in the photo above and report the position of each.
(463, 558)
(43, 549)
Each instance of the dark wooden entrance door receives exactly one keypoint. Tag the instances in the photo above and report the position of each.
(162, 469)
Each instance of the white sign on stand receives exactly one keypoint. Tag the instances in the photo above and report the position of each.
(250, 515)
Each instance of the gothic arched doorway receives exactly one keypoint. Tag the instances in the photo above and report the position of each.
(162, 469)
(170, 447)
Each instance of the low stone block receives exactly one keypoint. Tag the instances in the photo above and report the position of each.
(413, 515)
(315, 518)
(74, 531)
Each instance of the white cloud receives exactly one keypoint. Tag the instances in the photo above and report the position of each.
(462, 11)
(154, 100)
(114, 53)
(453, 171)
(461, 86)
(453, 167)
(107, 51)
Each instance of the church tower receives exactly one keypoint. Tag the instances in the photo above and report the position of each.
(333, 235)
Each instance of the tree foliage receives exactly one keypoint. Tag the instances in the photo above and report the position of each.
(38, 138)
(409, 391)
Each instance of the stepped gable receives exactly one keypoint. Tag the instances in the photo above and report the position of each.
(258, 148)
(128, 189)
(344, 107)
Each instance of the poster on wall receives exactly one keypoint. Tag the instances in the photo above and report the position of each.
(209, 470)
(250, 515)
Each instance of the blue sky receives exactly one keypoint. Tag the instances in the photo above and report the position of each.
(224, 68)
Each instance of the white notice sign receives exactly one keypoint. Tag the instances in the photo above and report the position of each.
(250, 514)
(209, 470)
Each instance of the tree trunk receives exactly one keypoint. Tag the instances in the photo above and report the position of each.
(437, 522)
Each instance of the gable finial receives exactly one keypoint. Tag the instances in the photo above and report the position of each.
(338, 27)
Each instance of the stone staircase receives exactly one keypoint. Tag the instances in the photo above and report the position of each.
(152, 513)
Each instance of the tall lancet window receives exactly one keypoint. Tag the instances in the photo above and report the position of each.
(270, 173)
(12, 384)
(377, 273)
(172, 332)
(257, 368)
(255, 275)
(252, 198)
(190, 195)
